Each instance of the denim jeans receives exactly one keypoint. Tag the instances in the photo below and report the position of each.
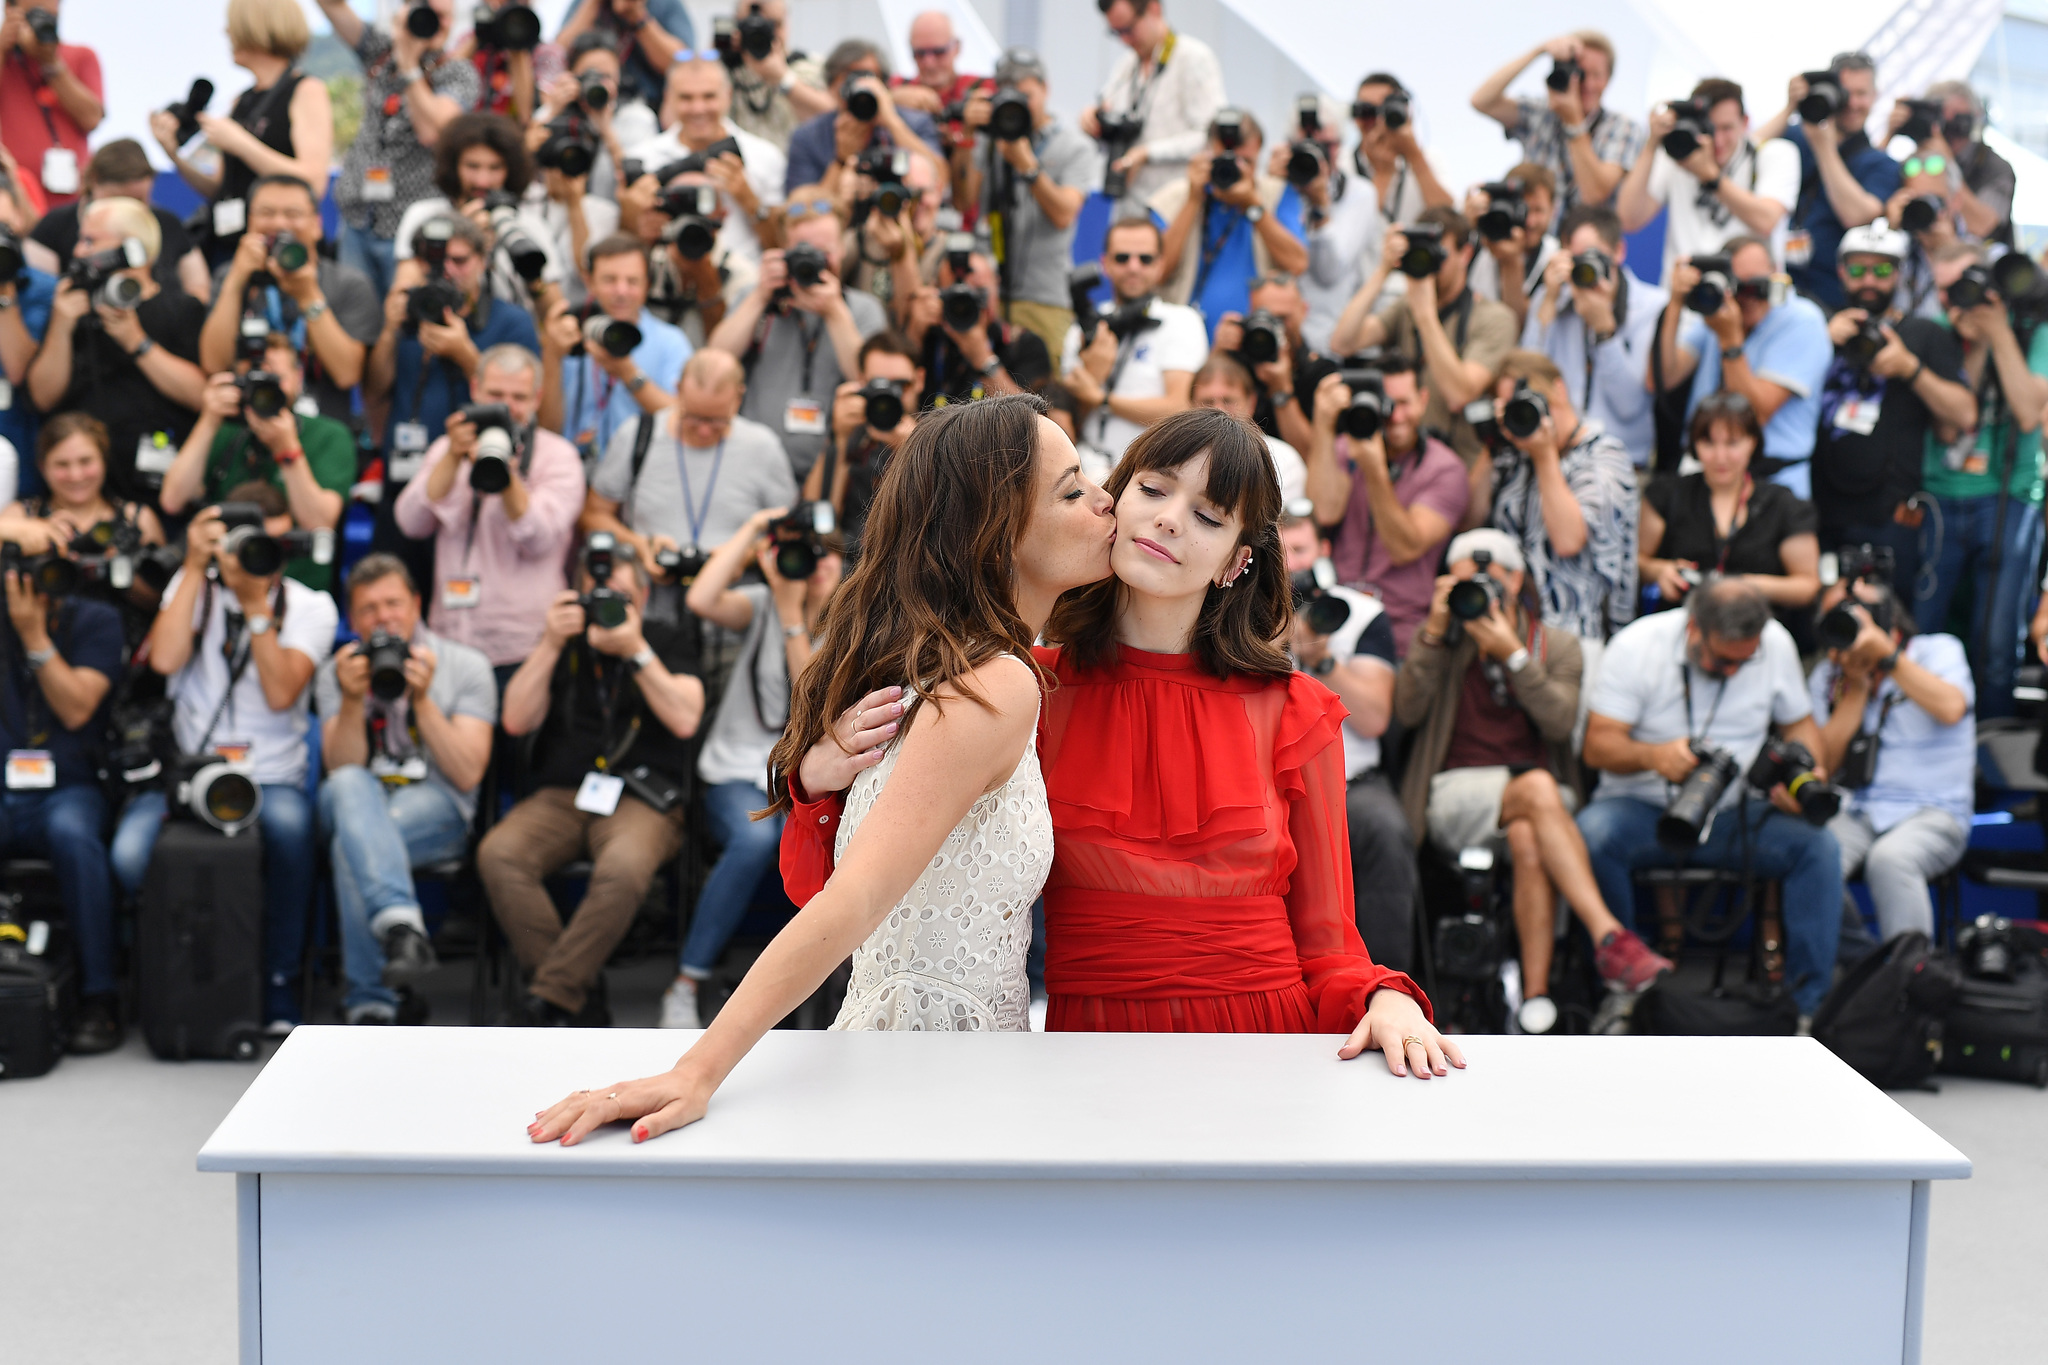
(1621, 837)
(750, 850)
(377, 835)
(361, 249)
(1968, 527)
(63, 825)
(286, 820)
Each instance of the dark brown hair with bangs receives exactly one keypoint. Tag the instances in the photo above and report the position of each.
(1242, 628)
(934, 594)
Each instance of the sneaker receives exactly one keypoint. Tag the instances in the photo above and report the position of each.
(1804, 1028)
(280, 1007)
(679, 1004)
(372, 1012)
(407, 955)
(1626, 963)
(98, 1029)
(1537, 1015)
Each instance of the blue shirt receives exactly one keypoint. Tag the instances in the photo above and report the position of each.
(642, 77)
(600, 404)
(811, 146)
(1920, 762)
(1873, 169)
(1224, 270)
(444, 387)
(87, 632)
(1790, 348)
(18, 422)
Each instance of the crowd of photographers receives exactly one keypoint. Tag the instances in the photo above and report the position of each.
(622, 325)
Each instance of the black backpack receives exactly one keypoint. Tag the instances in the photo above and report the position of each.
(1998, 1025)
(1885, 1018)
(1741, 1010)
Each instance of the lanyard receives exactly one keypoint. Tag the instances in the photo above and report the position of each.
(1141, 93)
(35, 79)
(1724, 544)
(696, 518)
(1211, 249)
(1720, 691)
(810, 340)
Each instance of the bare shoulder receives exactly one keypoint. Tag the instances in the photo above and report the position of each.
(989, 739)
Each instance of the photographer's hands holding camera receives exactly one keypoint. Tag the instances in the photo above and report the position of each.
(822, 298)
(1088, 380)
(850, 421)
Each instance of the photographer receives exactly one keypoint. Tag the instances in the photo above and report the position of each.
(1896, 726)
(1404, 183)
(775, 94)
(965, 356)
(1716, 677)
(1394, 497)
(1227, 386)
(615, 712)
(1164, 90)
(1356, 661)
(651, 35)
(1987, 482)
(1587, 146)
(1771, 348)
(1284, 385)
(50, 99)
(478, 156)
(311, 461)
(863, 450)
(331, 313)
(1844, 178)
(281, 125)
(604, 391)
(587, 99)
(404, 749)
(71, 455)
(1128, 376)
(1979, 191)
(24, 318)
(1728, 186)
(63, 657)
(704, 471)
(1596, 319)
(1220, 237)
(939, 88)
(1565, 493)
(777, 619)
(776, 332)
(412, 89)
(1034, 186)
(1492, 697)
(1890, 387)
(497, 556)
(1339, 212)
(878, 249)
(696, 122)
(239, 651)
(1439, 325)
(689, 293)
(131, 366)
(1509, 268)
(118, 170)
(857, 71)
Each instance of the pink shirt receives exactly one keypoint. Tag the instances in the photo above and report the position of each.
(1434, 479)
(516, 567)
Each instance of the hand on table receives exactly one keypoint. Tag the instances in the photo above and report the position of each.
(1394, 1024)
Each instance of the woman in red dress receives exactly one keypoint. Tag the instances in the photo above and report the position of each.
(1201, 877)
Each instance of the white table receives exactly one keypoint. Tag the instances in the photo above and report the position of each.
(1080, 1197)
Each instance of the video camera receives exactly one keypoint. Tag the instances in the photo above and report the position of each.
(1367, 412)
(490, 467)
(1506, 210)
(261, 554)
(692, 226)
(1694, 128)
(1426, 251)
(1118, 134)
(799, 539)
(506, 28)
(529, 259)
(603, 606)
(1823, 98)
(1717, 282)
(188, 110)
(1321, 610)
(569, 146)
(99, 276)
(1124, 321)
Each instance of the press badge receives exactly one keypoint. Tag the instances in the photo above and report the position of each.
(1962, 456)
(1858, 413)
(154, 453)
(804, 417)
(408, 452)
(60, 171)
(306, 406)
(399, 771)
(233, 750)
(600, 793)
(30, 770)
(230, 217)
(461, 592)
(377, 185)
(1798, 247)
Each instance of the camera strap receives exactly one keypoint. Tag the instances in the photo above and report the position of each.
(690, 512)
(1142, 90)
(34, 78)
(1125, 346)
(239, 646)
(1724, 544)
(1685, 676)
(1213, 247)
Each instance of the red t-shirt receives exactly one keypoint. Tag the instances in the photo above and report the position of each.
(1490, 732)
(22, 109)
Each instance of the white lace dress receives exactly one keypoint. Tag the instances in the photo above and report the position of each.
(951, 954)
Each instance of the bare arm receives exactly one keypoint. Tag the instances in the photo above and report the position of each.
(1366, 687)
(461, 745)
(1935, 695)
(1800, 583)
(1407, 532)
(1286, 249)
(1852, 204)
(2025, 392)
(73, 95)
(711, 596)
(1357, 326)
(1635, 204)
(1145, 411)
(349, 28)
(602, 514)
(1564, 521)
(1492, 99)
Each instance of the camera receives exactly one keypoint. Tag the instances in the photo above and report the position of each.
(252, 339)
(1118, 134)
(99, 275)
(387, 654)
(1264, 336)
(49, 573)
(263, 394)
(568, 147)
(1861, 564)
(112, 552)
(508, 27)
(1522, 415)
(1468, 947)
(1591, 269)
(261, 554)
(1305, 161)
(490, 468)
(1973, 288)
(421, 21)
(1563, 71)
(1684, 821)
(431, 302)
(799, 539)
(1321, 610)
(13, 264)
(697, 161)
(961, 306)
(888, 167)
(289, 252)
(1426, 253)
(807, 265)
(1923, 117)
(43, 24)
(218, 791)
(1368, 411)
(1223, 171)
(603, 606)
(861, 103)
(1841, 624)
(1787, 761)
(692, 227)
(1921, 213)
(1717, 281)
(1860, 347)
(958, 253)
(592, 93)
(1693, 128)
(1823, 99)
(607, 333)
(1228, 129)
(1506, 210)
(680, 567)
(1123, 321)
(1009, 115)
(528, 257)
(187, 110)
(757, 34)
(1987, 949)
(1393, 111)
(884, 400)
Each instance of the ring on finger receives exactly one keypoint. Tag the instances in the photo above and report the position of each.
(1412, 1041)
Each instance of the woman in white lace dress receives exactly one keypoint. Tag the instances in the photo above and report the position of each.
(983, 519)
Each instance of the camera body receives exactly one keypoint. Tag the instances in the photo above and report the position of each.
(807, 265)
(1921, 213)
(1306, 160)
(1321, 610)
(1922, 118)
(1860, 347)
(1787, 761)
(1840, 624)
(1118, 133)
(1123, 321)
(592, 93)
(1506, 210)
(507, 27)
(218, 791)
(1866, 563)
(1823, 98)
(1973, 288)
(1522, 415)
(889, 168)
(799, 539)
(884, 404)
(43, 25)
(1694, 128)
(1691, 809)
(604, 606)
(1224, 172)
(387, 654)
(569, 146)
(13, 262)
(1478, 595)
(1563, 71)
(1591, 269)
(261, 554)
(289, 252)
(692, 226)
(1988, 949)
(1426, 251)
(1717, 281)
(1366, 414)
(1009, 115)
(431, 302)
(861, 103)
(1393, 112)
(961, 306)
(49, 573)
(757, 34)
(262, 394)
(490, 468)
(1265, 336)
(99, 275)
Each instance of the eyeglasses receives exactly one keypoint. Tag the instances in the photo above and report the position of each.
(1275, 280)
(1924, 165)
(1126, 257)
(1882, 270)
(1716, 664)
(932, 54)
(799, 209)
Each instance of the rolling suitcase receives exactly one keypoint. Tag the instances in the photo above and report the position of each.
(199, 943)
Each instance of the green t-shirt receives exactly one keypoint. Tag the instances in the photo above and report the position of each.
(237, 457)
(1994, 442)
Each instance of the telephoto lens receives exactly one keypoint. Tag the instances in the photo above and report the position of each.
(1823, 97)
(1321, 610)
(860, 102)
(387, 655)
(807, 265)
(607, 333)
(1685, 820)
(262, 393)
(1786, 762)
(289, 252)
(490, 468)
(961, 306)
(1361, 421)
(1921, 213)
(1263, 335)
(1591, 269)
(1009, 117)
(422, 22)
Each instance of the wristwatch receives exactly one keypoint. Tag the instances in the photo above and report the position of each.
(1884, 665)
(991, 365)
(1030, 177)
(1729, 353)
(1281, 400)
(1255, 213)
(1572, 130)
(635, 384)
(38, 657)
(313, 311)
(259, 625)
(1518, 660)
(148, 343)
(1711, 185)
(794, 632)
(1323, 667)
(642, 659)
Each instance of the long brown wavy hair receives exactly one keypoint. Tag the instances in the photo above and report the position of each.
(934, 594)
(1242, 628)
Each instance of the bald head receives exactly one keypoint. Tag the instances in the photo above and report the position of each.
(713, 372)
(932, 28)
(934, 48)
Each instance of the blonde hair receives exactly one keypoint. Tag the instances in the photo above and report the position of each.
(134, 219)
(274, 26)
(1599, 42)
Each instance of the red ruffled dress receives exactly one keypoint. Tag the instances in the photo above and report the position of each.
(1201, 877)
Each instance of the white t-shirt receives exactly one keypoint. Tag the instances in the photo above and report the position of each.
(766, 166)
(1180, 342)
(505, 282)
(1485, 273)
(1691, 229)
(276, 739)
(1339, 253)
(600, 219)
(1366, 636)
(1292, 469)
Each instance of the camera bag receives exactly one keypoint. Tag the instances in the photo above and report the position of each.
(199, 943)
(38, 998)
(1743, 1010)
(1885, 1018)
(1999, 1028)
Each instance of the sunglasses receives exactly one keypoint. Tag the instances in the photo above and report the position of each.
(799, 209)
(932, 54)
(1141, 257)
(1882, 270)
(1924, 165)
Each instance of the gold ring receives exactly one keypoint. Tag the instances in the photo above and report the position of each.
(1411, 1038)
(614, 1095)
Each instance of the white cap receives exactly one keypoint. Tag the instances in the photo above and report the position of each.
(1496, 543)
(1875, 238)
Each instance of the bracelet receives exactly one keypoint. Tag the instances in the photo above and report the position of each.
(1518, 660)
(38, 657)
(289, 455)
(406, 78)
(1572, 130)
(1914, 377)
(794, 632)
